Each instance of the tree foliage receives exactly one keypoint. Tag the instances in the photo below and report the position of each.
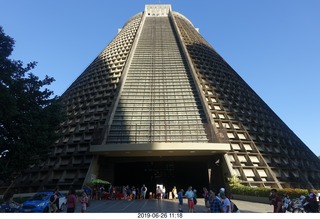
(29, 114)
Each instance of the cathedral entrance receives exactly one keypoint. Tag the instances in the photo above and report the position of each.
(170, 174)
(168, 171)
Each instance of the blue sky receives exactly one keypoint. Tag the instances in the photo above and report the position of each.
(274, 45)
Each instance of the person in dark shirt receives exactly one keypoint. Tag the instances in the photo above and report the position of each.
(312, 205)
(215, 203)
(180, 198)
(275, 201)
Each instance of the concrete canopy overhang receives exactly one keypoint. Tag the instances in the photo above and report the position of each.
(160, 149)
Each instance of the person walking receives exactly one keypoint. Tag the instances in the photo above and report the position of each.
(180, 198)
(71, 201)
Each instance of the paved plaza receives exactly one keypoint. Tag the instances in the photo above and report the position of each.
(164, 206)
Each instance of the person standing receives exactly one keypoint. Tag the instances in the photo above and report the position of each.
(58, 199)
(94, 193)
(275, 201)
(84, 201)
(144, 191)
(88, 191)
(134, 193)
(190, 195)
(195, 198)
(101, 192)
(158, 192)
(225, 203)
(222, 190)
(312, 205)
(285, 202)
(53, 202)
(138, 193)
(110, 190)
(174, 192)
(163, 192)
(71, 201)
(215, 203)
(128, 191)
(180, 198)
(124, 191)
(206, 195)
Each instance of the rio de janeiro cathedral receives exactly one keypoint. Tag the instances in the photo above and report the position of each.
(159, 105)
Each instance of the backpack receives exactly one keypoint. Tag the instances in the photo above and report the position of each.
(195, 200)
(234, 207)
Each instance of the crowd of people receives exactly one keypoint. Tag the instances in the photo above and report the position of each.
(117, 192)
(214, 202)
(284, 204)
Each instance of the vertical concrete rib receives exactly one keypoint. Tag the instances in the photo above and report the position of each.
(214, 133)
(122, 81)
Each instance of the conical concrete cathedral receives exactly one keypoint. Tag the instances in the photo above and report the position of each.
(160, 106)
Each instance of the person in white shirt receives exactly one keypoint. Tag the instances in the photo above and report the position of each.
(158, 191)
(163, 192)
(225, 203)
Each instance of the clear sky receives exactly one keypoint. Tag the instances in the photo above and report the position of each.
(274, 45)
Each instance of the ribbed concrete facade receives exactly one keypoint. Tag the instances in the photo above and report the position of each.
(160, 97)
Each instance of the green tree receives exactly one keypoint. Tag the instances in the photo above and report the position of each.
(29, 114)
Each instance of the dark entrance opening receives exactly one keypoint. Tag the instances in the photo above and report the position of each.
(168, 173)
